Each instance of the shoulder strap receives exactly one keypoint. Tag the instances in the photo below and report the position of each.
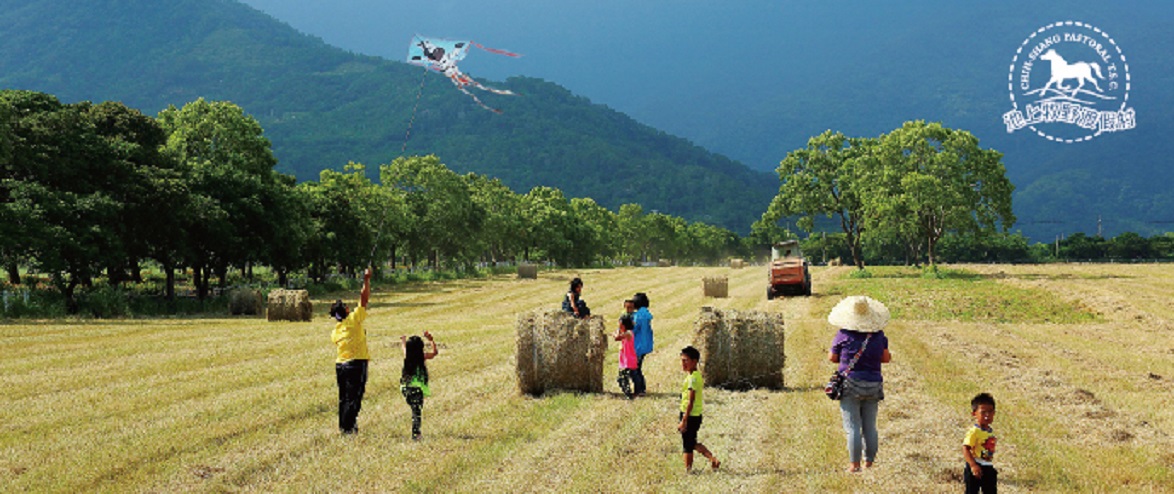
(858, 354)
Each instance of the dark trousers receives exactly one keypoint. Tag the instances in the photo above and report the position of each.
(352, 382)
(988, 484)
(625, 381)
(415, 398)
(638, 384)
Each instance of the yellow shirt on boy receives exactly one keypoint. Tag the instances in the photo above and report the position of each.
(350, 337)
(695, 382)
(982, 445)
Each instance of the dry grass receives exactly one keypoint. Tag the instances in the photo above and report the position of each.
(245, 405)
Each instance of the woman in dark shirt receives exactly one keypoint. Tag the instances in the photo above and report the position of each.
(861, 320)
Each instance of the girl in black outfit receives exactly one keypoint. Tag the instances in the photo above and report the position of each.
(413, 381)
(574, 303)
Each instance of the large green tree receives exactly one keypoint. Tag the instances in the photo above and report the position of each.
(227, 161)
(823, 179)
(929, 180)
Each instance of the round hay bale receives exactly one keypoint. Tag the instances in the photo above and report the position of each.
(527, 271)
(290, 305)
(664, 263)
(715, 286)
(244, 301)
(737, 263)
(557, 351)
(740, 350)
(835, 261)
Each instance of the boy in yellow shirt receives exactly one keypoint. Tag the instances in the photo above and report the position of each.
(350, 368)
(691, 407)
(978, 448)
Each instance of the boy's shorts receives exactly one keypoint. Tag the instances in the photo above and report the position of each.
(689, 437)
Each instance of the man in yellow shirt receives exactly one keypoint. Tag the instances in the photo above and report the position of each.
(350, 368)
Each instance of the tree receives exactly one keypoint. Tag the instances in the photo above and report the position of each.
(503, 233)
(445, 217)
(56, 191)
(930, 180)
(633, 241)
(228, 166)
(823, 179)
(552, 225)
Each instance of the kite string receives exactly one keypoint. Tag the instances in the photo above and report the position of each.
(412, 120)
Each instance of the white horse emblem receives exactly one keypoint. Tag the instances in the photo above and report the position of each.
(1062, 70)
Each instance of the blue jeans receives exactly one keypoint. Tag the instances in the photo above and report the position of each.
(638, 384)
(859, 415)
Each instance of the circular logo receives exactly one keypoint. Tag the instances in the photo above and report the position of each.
(1069, 82)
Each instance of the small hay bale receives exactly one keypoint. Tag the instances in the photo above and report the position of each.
(243, 301)
(557, 351)
(290, 305)
(527, 271)
(664, 263)
(740, 350)
(737, 263)
(835, 261)
(715, 286)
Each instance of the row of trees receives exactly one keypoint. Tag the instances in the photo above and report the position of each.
(910, 188)
(1004, 248)
(90, 190)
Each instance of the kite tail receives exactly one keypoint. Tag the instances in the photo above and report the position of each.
(482, 87)
(478, 100)
(494, 50)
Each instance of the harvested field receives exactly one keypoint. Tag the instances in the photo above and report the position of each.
(1080, 357)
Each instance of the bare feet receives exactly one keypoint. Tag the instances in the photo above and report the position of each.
(715, 464)
(854, 468)
(868, 464)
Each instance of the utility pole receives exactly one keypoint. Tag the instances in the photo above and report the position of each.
(1099, 226)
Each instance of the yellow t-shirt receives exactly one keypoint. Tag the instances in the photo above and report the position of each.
(350, 337)
(695, 382)
(981, 444)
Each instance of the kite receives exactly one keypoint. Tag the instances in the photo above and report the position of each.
(442, 56)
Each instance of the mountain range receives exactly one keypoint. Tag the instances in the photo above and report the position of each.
(322, 106)
(749, 80)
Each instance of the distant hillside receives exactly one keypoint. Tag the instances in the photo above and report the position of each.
(322, 106)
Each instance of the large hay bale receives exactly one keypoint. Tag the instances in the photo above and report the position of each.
(737, 263)
(244, 301)
(557, 351)
(527, 271)
(664, 263)
(715, 286)
(835, 261)
(290, 305)
(740, 349)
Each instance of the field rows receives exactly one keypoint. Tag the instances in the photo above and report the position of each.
(245, 405)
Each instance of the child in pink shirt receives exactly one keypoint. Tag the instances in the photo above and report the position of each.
(627, 354)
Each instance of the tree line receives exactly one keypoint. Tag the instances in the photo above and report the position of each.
(90, 191)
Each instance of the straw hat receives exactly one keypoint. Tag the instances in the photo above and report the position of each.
(859, 313)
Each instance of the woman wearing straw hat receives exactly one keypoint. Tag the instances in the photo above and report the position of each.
(860, 339)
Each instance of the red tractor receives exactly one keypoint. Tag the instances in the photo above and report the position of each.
(788, 271)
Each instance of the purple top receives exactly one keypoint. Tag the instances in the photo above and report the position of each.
(868, 368)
